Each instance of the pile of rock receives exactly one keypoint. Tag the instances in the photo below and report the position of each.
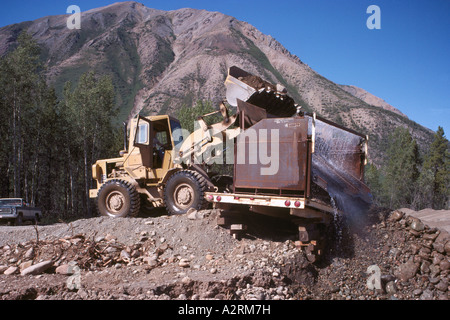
(425, 269)
(169, 260)
(36, 257)
(412, 260)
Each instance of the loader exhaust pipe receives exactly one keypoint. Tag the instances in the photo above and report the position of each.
(125, 136)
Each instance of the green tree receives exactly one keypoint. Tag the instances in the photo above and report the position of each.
(4, 129)
(47, 147)
(20, 78)
(402, 169)
(373, 179)
(435, 175)
(41, 143)
(89, 109)
(188, 115)
(31, 130)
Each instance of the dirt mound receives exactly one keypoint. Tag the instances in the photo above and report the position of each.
(433, 218)
(190, 257)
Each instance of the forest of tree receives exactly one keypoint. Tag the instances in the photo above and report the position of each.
(411, 179)
(48, 145)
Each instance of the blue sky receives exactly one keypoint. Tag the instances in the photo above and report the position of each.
(406, 62)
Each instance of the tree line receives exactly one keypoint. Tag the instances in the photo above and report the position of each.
(48, 145)
(410, 178)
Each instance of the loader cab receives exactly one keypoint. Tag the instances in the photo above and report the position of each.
(153, 138)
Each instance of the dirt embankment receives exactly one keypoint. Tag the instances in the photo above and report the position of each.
(190, 257)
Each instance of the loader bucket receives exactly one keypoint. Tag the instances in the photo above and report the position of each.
(237, 89)
(241, 85)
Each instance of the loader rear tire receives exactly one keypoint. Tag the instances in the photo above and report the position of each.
(185, 190)
(118, 198)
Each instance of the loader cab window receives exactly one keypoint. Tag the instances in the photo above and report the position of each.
(161, 137)
(160, 134)
(161, 141)
(142, 133)
(177, 134)
(153, 139)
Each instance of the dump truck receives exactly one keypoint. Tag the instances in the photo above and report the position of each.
(286, 163)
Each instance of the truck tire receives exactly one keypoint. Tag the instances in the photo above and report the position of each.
(184, 190)
(36, 219)
(118, 198)
(19, 220)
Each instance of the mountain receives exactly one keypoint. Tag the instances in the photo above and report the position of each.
(161, 60)
(370, 98)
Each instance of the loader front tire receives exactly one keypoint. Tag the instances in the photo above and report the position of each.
(184, 190)
(118, 198)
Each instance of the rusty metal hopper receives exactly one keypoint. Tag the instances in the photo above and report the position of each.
(338, 153)
(289, 157)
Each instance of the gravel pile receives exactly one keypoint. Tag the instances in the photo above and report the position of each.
(190, 257)
(411, 258)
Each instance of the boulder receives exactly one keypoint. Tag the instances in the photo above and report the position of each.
(25, 265)
(37, 268)
(11, 270)
(66, 269)
(407, 270)
(417, 225)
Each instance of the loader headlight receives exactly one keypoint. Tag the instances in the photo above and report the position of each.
(96, 172)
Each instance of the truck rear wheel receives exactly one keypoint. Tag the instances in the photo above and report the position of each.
(118, 198)
(19, 220)
(185, 190)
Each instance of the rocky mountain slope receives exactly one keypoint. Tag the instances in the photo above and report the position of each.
(369, 98)
(162, 60)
